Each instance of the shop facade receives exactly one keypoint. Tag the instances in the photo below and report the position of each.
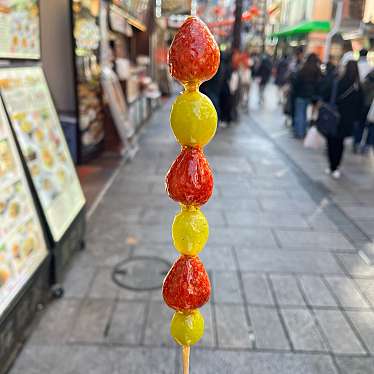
(76, 85)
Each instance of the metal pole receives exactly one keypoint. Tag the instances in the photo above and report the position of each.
(334, 30)
(238, 24)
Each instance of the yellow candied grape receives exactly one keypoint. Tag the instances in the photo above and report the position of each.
(193, 119)
(190, 231)
(187, 328)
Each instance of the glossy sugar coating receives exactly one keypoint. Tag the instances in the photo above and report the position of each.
(194, 54)
(189, 180)
(187, 328)
(186, 286)
(193, 59)
(193, 119)
(190, 231)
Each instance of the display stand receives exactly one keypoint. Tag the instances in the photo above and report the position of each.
(24, 260)
(50, 169)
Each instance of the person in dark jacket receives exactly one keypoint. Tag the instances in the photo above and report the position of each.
(212, 88)
(304, 85)
(264, 74)
(281, 76)
(349, 105)
(360, 144)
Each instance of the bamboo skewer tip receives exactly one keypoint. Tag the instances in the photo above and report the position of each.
(186, 359)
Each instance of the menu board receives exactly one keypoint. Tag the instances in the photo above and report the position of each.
(19, 29)
(34, 119)
(22, 245)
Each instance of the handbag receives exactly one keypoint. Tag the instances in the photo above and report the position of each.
(313, 139)
(328, 117)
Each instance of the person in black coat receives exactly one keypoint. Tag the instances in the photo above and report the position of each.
(349, 105)
(304, 87)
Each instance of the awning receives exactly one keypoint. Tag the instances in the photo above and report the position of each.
(304, 28)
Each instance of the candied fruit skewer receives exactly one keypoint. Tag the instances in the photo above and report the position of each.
(193, 58)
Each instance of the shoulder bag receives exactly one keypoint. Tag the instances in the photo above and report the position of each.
(328, 117)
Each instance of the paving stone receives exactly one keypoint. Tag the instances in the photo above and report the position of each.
(56, 323)
(244, 237)
(359, 211)
(78, 281)
(340, 336)
(316, 292)
(346, 292)
(217, 258)
(289, 205)
(233, 362)
(89, 359)
(355, 266)
(367, 288)
(286, 290)
(144, 360)
(287, 261)
(39, 359)
(127, 323)
(257, 290)
(320, 222)
(267, 328)
(103, 286)
(157, 331)
(313, 240)
(226, 287)
(302, 330)
(364, 323)
(267, 219)
(233, 331)
(355, 365)
(224, 164)
(209, 337)
(92, 320)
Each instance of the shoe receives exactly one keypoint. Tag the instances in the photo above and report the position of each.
(336, 174)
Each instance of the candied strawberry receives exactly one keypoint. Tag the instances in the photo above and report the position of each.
(187, 285)
(190, 179)
(193, 54)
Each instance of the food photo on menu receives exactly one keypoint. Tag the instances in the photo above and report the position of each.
(43, 153)
(19, 20)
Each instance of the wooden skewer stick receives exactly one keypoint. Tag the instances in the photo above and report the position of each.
(186, 359)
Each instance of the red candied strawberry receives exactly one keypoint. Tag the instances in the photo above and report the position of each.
(193, 54)
(187, 285)
(190, 179)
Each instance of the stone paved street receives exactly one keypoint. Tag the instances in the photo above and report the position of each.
(292, 293)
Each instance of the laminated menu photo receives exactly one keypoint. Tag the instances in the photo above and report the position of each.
(19, 29)
(39, 134)
(22, 244)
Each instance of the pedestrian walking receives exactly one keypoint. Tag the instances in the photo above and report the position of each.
(368, 106)
(225, 97)
(348, 93)
(281, 76)
(361, 144)
(264, 73)
(304, 86)
(245, 82)
(212, 89)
